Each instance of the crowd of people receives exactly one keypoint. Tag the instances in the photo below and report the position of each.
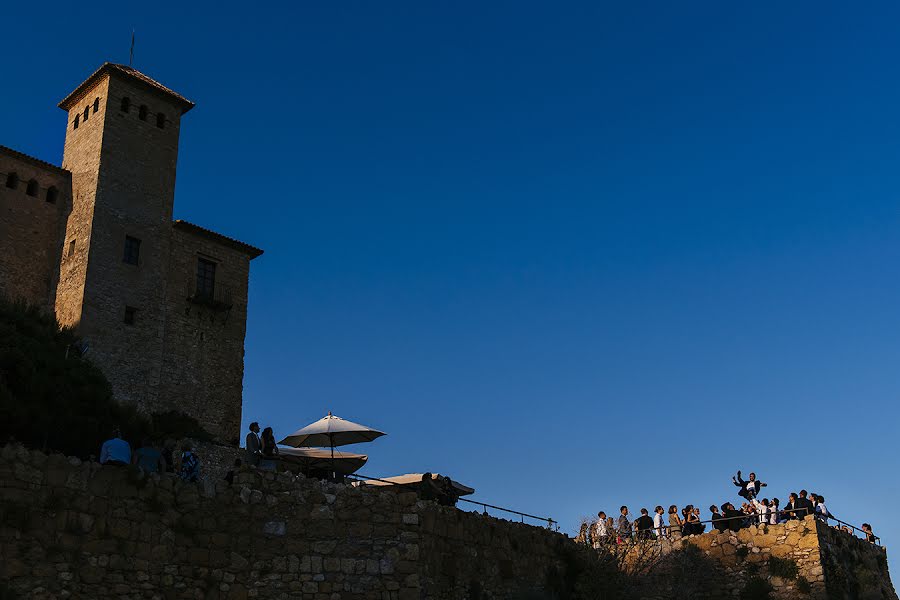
(153, 457)
(150, 456)
(674, 523)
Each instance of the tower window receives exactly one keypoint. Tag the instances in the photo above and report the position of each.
(142, 112)
(71, 248)
(160, 120)
(12, 181)
(52, 194)
(32, 188)
(126, 104)
(206, 278)
(77, 118)
(87, 112)
(96, 105)
(130, 313)
(132, 250)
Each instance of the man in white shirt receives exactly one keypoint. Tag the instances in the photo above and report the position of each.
(658, 527)
(600, 530)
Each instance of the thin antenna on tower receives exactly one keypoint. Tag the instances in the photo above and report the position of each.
(131, 54)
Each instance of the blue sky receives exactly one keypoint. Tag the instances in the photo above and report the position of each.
(575, 256)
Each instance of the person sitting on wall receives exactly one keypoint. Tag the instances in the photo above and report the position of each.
(750, 488)
(448, 495)
(644, 525)
(428, 488)
(148, 458)
(190, 464)
(115, 451)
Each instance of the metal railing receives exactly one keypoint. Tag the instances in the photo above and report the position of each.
(216, 296)
(747, 520)
(551, 524)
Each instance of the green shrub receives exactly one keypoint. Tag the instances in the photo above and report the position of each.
(742, 552)
(782, 567)
(53, 399)
(757, 588)
(803, 586)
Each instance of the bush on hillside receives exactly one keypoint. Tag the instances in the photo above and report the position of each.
(53, 399)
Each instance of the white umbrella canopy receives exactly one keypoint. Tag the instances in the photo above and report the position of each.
(331, 431)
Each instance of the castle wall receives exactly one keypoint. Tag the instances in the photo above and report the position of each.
(31, 228)
(73, 529)
(203, 354)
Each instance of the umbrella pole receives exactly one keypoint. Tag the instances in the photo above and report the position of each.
(333, 473)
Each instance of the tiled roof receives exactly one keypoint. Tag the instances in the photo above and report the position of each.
(253, 251)
(127, 71)
(33, 160)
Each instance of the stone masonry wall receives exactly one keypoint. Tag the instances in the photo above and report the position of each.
(799, 559)
(31, 228)
(203, 353)
(76, 529)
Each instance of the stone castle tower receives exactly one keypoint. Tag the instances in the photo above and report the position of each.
(161, 303)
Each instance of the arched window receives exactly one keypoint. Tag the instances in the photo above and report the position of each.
(142, 113)
(87, 112)
(52, 194)
(160, 120)
(96, 105)
(12, 181)
(77, 118)
(32, 188)
(126, 104)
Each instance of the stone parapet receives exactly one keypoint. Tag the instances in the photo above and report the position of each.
(78, 529)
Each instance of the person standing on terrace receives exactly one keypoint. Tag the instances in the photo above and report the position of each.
(659, 527)
(624, 525)
(254, 445)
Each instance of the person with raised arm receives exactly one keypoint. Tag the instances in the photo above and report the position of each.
(750, 488)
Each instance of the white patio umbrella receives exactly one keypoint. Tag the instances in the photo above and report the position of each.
(331, 431)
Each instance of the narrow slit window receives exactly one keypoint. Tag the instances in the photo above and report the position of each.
(87, 113)
(142, 112)
(77, 119)
(126, 104)
(71, 248)
(12, 181)
(96, 105)
(52, 195)
(160, 120)
(32, 188)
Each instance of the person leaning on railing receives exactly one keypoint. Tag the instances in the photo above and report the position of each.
(867, 529)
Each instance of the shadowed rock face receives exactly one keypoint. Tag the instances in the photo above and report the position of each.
(797, 559)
